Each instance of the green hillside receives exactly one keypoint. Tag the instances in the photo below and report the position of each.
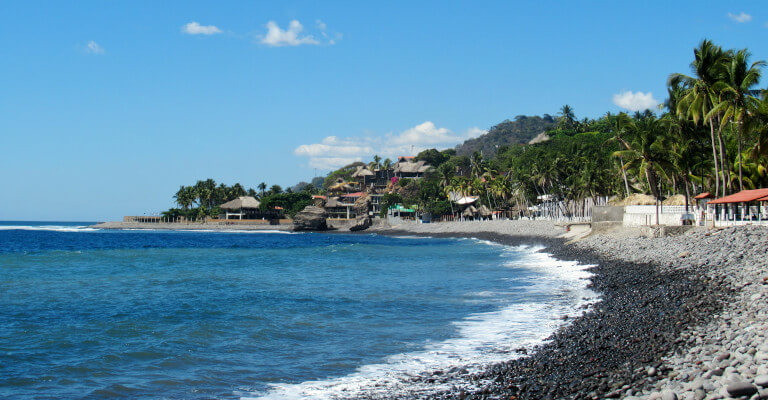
(522, 130)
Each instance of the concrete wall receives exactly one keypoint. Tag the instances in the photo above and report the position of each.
(607, 214)
(650, 219)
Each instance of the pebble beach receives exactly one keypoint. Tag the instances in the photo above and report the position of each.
(680, 317)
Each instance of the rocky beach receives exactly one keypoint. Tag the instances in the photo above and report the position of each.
(681, 317)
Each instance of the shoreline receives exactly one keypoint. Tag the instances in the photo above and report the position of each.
(678, 317)
(633, 343)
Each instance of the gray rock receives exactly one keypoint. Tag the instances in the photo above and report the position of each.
(311, 218)
(762, 381)
(668, 395)
(738, 389)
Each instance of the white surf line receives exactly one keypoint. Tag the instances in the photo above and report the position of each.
(483, 339)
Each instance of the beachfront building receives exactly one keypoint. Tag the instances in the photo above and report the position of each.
(365, 175)
(743, 208)
(342, 207)
(406, 167)
(243, 207)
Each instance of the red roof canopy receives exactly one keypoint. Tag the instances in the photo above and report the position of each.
(744, 196)
(705, 195)
(317, 196)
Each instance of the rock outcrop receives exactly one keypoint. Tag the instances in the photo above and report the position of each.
(311, 218)
(362, 207)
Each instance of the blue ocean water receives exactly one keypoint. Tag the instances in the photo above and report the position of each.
(154, 314)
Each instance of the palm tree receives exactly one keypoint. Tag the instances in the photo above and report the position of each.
(263, 187)
(567, 116)
(646, 152)
(377, 162)
(737, 94)
(621, 126)
(185, 197)
(757, 124)
(699, 98)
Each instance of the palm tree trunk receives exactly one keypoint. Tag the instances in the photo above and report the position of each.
(714, 155)
(741, 183)
(726, 172)
(624, 175)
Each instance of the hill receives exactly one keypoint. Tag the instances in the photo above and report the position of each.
(522, 130)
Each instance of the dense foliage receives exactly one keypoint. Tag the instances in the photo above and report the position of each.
(711, 135)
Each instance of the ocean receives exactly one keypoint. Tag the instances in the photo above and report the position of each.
(87, 313)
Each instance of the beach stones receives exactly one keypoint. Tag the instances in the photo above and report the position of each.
(668, 395)
(739, 388)
(762, 381)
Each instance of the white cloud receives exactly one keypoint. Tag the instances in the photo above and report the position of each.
(635, 101)
(93, 48)
(321, 25)
(333, 152)
(741, 17)
(194, 28)
(292, 36)
(331, 145)
(475, 132)
(424, 133)
(330, 163)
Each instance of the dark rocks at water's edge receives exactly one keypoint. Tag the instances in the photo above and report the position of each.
(361, 223)
(311, 218)
(613, 350)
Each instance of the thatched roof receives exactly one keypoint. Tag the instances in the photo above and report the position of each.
(342, 186)
(639, 199)
(485, 211)
(240, 203)
(362, 171)
(410, 167)
(469, 211)
(676, 200)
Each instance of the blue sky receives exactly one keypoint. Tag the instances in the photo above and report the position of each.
(107, 107)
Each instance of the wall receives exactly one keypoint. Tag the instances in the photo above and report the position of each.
(607, 213)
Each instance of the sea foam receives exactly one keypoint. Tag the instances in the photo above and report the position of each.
(482, 339)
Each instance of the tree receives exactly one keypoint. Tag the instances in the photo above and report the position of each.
(185, 197)
(262, 186)
(621, 126)
(432, 157)
(275, 189)
(736, 95)
(699, 97)
(567, 117)
(646, 153)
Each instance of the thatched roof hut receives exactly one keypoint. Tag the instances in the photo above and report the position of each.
(676, 200)
(469, 211)
(485, 211)
(410, 167)
(342, 187)
(240, 203)
(639, 199)
(362, 171)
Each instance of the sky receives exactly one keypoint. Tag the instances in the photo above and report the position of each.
(106, 108)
